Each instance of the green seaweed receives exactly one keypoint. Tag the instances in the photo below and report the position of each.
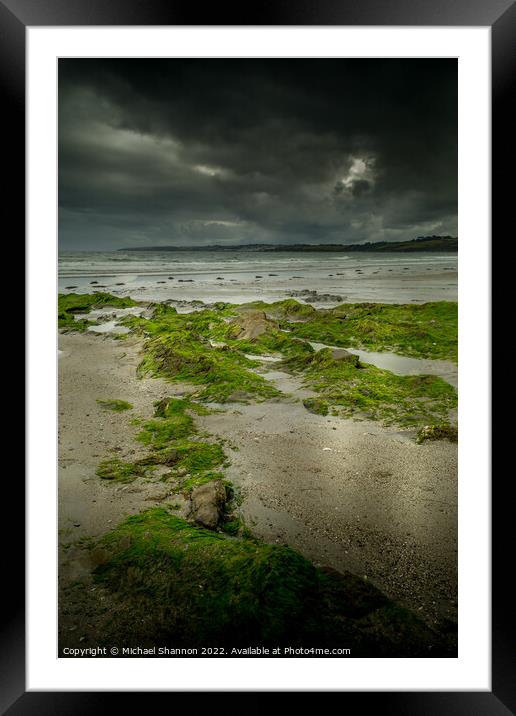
(160, 433)
(442, 431)
(190, 482)
(115, 405)
(173, 582)
(119, 471)
(70, 304)
(197, 456)
(428, 330)
(177, 347)
(204, 349)
(67, 321)
(286, 308)
(85, 302)
(167, 437)
(370, 392)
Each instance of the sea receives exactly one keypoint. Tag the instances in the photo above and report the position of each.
(319, 278)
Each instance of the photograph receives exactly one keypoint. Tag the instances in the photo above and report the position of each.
(257, 332)
(257, 246)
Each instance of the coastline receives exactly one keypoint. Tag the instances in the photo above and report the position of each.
(241, 277)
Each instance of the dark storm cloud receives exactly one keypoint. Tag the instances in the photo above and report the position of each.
(245, 151)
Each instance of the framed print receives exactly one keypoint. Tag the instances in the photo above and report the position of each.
(268, 245)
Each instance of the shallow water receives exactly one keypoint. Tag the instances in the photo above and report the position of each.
(100, 313)
(403, 365)
(109, 327)
(265, 359)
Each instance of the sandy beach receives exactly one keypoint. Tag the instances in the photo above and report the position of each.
(347, 494)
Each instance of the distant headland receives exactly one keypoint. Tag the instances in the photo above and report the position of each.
(422, 243)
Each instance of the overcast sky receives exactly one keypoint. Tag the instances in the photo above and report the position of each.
(203, 151)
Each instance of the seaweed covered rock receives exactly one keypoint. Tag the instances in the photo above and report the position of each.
(316, 406)
(290, 308)
(207, 503)
(311, 296)
(341, 354)
(437, 432)
(166, 580)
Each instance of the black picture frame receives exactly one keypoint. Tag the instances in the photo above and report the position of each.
(500, 16)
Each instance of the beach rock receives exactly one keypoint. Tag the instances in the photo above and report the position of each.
(168, 457)
(207, 503)
(437, 432)
(252, 325)
(157, 495)
(341, 354)
(311, 296)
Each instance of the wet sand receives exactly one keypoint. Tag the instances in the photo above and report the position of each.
(95, 367)
(351, 495)
(354, 496)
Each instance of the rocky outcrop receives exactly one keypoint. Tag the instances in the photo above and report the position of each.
(311, 296)
(250, 325)
(341, 354)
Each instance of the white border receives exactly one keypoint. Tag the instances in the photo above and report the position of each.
(471, 671)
